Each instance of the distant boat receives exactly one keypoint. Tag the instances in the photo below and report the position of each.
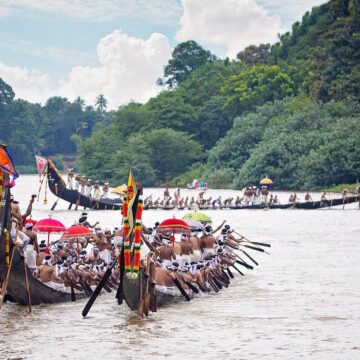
(58, 187)
(197, 185)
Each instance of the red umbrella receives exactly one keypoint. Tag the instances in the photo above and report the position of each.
(174, 225)
(76, 230)
(30, 221)
(48, 226)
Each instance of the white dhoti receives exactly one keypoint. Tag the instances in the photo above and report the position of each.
(167, 262)
(105, 255)
(208, 252)
(30, 257)
(169, 290)
(185, 258)
(55, 286)
(196, 256)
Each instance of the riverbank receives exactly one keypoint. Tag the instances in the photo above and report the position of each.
(352, 188)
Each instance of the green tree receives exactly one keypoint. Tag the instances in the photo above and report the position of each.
(255, 86)
(101, 103)
(186, 57)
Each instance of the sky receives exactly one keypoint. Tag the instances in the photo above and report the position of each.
(119, 48)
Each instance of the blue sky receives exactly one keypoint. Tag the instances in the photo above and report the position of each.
(87, 47)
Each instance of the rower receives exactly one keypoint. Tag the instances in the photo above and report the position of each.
(308, 197)
(32, 247)
(166, 252)
(83, 221)
(70, 179)
(186, 248)
(207, 242)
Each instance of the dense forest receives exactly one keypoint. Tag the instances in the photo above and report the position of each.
(288, 110)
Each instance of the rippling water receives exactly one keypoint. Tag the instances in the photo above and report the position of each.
(302, 301)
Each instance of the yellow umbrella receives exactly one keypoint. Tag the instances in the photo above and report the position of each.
(119, 189)
(266, 181)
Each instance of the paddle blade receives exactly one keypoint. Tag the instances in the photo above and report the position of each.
(261, 244)
(254, 248)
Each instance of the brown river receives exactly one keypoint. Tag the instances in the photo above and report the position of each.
(301, 302)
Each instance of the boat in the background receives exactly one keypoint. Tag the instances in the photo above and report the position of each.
(58, 187)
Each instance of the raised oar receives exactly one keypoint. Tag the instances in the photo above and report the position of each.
(246, 254)
(237, 270)
(253, 242)
(253, 248)
(98, 289)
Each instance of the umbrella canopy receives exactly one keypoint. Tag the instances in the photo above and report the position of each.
(119, 189)
(30, 221)
(266, 181)
(49, 225)
(194, 224)
(76, 231)
(198, 216)
(174, 225)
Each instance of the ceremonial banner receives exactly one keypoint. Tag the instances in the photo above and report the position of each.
(131, 196)
(6, 163)
(40, 163)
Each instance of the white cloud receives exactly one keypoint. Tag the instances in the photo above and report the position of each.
(30, 85)
(233, 24)
(129, 70)
(156, 11)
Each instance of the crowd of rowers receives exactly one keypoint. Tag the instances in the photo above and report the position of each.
(86, 187)
(251, 196)
(198, 259)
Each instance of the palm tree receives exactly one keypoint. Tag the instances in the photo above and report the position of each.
(101, 102)
(80, 102)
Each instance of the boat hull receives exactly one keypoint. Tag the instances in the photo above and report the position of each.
(58, 187)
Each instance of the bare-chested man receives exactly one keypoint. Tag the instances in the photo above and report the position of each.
(166, 253)
(207, 243)
(186, 248)
(45, 272)
(196, 242)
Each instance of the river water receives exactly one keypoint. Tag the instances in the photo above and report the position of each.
(302, 301)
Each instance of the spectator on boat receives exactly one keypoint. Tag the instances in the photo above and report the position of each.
(176, 197)
(88, 188)
(344, 194)
(96, 194)
(77, 182)
(308, 197)
(70, 179)
(166, 193)
(105, 190)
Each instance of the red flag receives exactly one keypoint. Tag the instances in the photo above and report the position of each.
(40, 163)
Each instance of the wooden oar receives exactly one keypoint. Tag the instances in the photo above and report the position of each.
(181, 289)
(230, 273)
(253, 242)
(98, 289)
(141, 300)
(55, 203)
(254, 248)
(27, 285)
(237, 270)
(243, 263)
(6, 281)
(246, 254)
